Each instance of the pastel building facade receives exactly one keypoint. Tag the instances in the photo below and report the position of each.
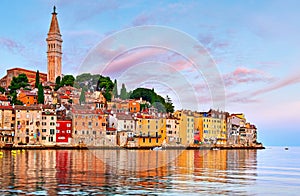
(89, 128)
(150, 131)
(6, 125)
(28, 124)
(48, 134)
(172, 131)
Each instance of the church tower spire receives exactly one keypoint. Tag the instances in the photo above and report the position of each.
(54, 49)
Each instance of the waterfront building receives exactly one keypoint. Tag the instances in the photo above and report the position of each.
(27, 124)
(172, 131)
(150, 131)
(6, 125)
(248, 135)
(234, 124)
(198, 126)
(54, 49)
(48, 134)
(89, 127)
(213, 127)
(186, 127)
(63, 131)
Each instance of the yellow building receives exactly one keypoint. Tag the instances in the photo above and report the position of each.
(213, 127)
(150, 131)
(186, 127)
(6, 125)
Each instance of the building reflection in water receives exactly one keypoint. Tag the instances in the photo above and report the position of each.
(121, 171)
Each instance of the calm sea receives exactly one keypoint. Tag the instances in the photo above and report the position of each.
(273, 171)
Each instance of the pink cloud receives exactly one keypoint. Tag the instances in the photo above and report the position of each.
(126, 60)
(11, 45)
(289, 80)
(245, 75)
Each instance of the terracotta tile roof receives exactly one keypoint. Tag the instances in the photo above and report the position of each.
(6, 107)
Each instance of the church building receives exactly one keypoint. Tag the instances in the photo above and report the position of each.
(54, 57)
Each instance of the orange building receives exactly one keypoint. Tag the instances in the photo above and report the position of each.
(5, 81)
(134, 106)
(27, 97)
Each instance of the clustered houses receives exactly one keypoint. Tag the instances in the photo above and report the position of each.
(96, 124)
(63, 121)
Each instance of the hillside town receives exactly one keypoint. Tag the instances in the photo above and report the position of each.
(49, 110)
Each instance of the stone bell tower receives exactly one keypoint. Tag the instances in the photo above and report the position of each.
(54, 49)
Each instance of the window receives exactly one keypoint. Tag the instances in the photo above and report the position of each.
(96, 124)
(103, 124)
(43, 138)
(44, 130)
(150, 140)
(69, 125)
(51, 131)
(87, 132)
(82, 132)
(69, 131)
(27, 122)
(57, 131)
(75, 132)
(90, 123)
(52, 118)
(57, 124)
(82, 123)
(143, 140)
(94, 132)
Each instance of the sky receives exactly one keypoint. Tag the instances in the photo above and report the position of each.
(238, 56)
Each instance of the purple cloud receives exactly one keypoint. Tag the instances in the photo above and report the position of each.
(11, 45)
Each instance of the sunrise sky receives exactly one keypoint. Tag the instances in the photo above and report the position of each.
(253, 46)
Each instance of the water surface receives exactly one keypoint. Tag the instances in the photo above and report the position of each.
(273, 171)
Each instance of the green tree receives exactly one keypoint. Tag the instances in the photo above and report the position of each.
(82, 96)
(2, 90)
(67, 80)
(41, 96)
(57, 83)
(105, 85)
(87, 81)
(123, 93)
(21, 81)
(115, 89)
(37, 79)
(169, 105)
(157, 101)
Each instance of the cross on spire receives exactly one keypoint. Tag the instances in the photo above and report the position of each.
(54, 9)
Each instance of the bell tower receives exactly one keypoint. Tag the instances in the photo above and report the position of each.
(54, 49)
